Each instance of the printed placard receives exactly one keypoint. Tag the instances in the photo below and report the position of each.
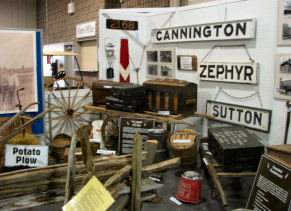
(26, 155)
(181, 141)
(272, 186)
(227, 30)
(255, 118)
(246, 73)
(106, 152)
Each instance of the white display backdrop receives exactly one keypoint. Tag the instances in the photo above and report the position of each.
(262, 50)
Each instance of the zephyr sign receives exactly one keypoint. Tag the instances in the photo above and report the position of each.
(228, 72)
(228, 30)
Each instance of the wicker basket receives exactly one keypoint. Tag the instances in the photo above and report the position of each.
(59, 143)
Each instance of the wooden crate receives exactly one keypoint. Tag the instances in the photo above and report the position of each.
(235, 148)
(176, 96)
(100, 90)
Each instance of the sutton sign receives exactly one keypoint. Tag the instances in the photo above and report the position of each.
(228, 30)
(250, 117)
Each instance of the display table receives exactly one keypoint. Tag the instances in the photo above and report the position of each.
(171, 119)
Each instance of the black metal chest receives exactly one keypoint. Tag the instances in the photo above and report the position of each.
(235, 148)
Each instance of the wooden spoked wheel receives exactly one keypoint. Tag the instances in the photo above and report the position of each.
(70, 98)
(109, 132)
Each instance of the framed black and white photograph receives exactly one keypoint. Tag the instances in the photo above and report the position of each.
(17, 70)
(166, 71)
(153, 69)
(152, 56)
(166, 56)
(161, 63)
(285, 65)
(283, 76)
(284, 22)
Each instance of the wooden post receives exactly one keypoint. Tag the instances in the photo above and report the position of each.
(69, 190)
(150, 148)
(136, 173)
(86, 153)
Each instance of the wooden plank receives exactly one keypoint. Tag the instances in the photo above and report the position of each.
(136, 173)
(137, 115)
(172, 163)
(231, 174)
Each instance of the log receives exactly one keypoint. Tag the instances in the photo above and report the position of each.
(27, 175)
(86, 153)
(120, 175)
(119, 204)
(113, 189)
(146, 185)
(69, 191)
(44, 185)
(150, 148)
(172, 163)
(136, 173)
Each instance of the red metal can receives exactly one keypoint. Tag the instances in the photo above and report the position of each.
(190, 187)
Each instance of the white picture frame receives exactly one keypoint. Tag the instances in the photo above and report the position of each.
(160, 62)
(283, 76)
(284, 22)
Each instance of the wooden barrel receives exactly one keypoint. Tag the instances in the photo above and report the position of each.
(59, 143)
(183, 144)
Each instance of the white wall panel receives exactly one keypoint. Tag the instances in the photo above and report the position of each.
(262, 49)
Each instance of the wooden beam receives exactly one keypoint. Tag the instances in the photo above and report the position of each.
(69, 190)
(120, 175)
(136, 173)
(151, 148)
(172, 163)
(136, 115)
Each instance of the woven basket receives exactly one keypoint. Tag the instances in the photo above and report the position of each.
(59, 143)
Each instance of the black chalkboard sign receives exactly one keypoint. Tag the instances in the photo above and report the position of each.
(128, 128)
(272, 187)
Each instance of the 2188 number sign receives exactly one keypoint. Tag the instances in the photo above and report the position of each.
(121, 24)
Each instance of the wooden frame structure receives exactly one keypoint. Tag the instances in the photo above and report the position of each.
(212, 166)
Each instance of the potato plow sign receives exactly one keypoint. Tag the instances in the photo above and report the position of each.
(26, 155)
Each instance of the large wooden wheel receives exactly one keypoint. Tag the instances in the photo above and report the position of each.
(70, 116)
(109, 132)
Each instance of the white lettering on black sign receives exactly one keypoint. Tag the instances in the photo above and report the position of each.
(254, 118)
(228, 72)
(229, 30)
(26, 155)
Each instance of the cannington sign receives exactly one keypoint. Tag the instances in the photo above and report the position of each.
(228, 30)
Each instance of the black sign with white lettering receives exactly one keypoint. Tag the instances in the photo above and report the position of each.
(228, 72)
(272, 187)
(227, 30)
(254, 118)
(121, 24)
(128, 128)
